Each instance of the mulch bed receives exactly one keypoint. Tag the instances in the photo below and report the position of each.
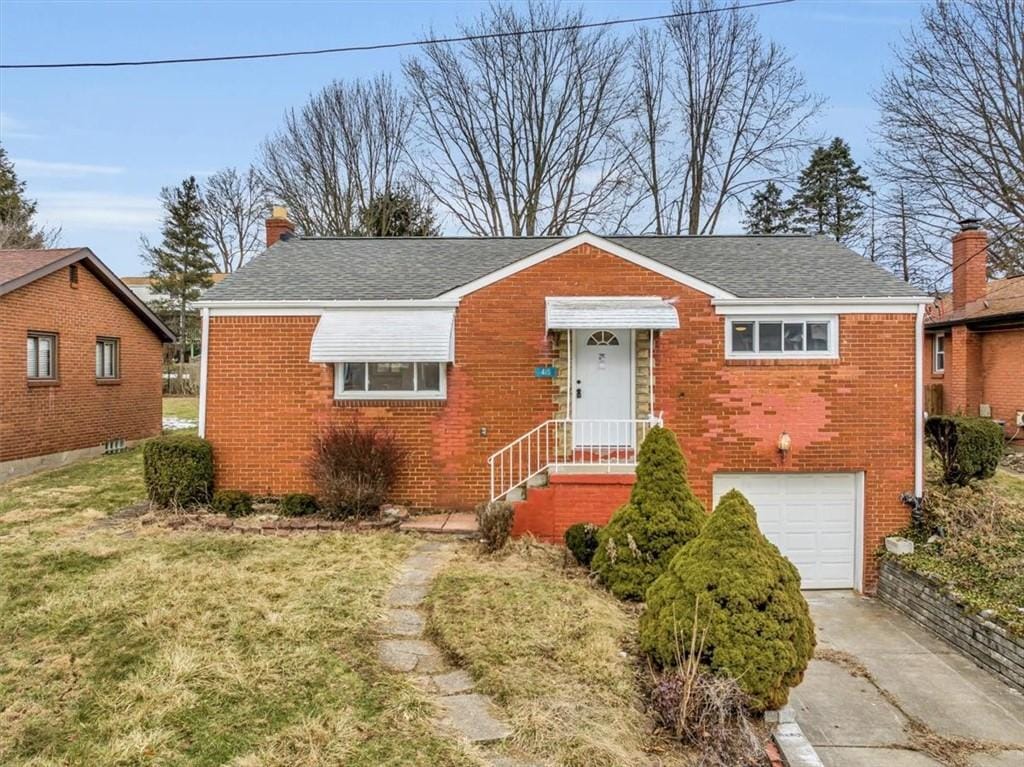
(263, 524)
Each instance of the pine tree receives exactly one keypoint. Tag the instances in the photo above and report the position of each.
(17, 229)
(829, 198)
(397, 212)
(767, 213)
(180, 267)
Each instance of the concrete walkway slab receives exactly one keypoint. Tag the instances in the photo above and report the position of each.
(1004, 759)
(835, 756)
(913, 676)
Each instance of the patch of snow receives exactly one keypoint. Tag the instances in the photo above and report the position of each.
(171, 423)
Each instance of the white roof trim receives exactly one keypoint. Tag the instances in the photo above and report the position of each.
(748, 307)
(384, 335)
(335, 304)
(574, 313)
(586, 238)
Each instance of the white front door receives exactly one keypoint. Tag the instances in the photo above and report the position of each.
(603, 387)
(812, 518)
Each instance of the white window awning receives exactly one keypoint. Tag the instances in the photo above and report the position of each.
(384, 335)
(614, 312)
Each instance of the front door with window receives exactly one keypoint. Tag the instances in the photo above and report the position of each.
(603, 388)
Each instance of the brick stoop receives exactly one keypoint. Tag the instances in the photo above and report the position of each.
(547, 512)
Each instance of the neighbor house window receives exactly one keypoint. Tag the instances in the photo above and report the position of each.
(108, 363)
(783, 337)
(41, 352)
(388, 380)
(939, 354)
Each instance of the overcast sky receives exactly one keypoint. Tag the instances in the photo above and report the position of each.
(96, 146)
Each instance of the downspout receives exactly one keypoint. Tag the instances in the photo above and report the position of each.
(202, 370)
(919, 407)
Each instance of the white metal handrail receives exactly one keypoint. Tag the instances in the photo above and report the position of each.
(567, 442)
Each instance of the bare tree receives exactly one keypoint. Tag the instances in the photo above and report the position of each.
(903, 245)
(735, 115)
(345, 146)
(518, 132)
(953, 119)
(234, 207)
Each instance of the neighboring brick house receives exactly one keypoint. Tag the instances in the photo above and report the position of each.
(80, 360)
(488, 355)
(974, 339)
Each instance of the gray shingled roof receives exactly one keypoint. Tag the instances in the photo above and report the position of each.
(353, 268)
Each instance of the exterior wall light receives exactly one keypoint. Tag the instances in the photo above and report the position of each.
(785, 445)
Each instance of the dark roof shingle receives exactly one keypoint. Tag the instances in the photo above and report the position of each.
(352, 268)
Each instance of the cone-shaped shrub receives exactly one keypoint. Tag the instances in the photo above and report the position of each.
(662, 514)
(745, 594)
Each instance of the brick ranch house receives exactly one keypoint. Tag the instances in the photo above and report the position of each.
(504, 364)
(974, 339)
(80, 360)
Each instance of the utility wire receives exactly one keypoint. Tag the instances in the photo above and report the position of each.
(387, 46)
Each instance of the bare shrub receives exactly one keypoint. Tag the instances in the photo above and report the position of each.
(708, 712)
(354, 468)
(495, 522)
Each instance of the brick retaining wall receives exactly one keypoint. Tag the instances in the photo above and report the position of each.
(988, 644)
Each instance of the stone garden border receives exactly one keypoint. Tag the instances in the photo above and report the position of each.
(925, 601)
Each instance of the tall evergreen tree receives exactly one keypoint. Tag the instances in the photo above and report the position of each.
(182, 264)
(397, 212)
(829, 199)
(17, 229)
(767, 212)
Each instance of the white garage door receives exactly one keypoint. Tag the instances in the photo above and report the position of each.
(812, 518)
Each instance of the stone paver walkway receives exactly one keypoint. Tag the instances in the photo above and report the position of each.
(403, 648)
(884, 692)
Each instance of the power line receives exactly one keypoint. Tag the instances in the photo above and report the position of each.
(388, 46)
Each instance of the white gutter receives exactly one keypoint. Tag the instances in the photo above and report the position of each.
(202, 370)
(824, 300)
(919, 404)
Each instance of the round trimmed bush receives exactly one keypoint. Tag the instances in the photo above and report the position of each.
(233, 503)
(178, 470)
(297, 505)
(662, 515)
(969, 448)
(581, 540)
(735, 584)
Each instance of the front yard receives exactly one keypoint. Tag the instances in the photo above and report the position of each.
(124, 643)
(128, 645)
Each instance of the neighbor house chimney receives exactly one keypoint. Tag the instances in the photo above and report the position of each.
(970, 263)
(278, 225)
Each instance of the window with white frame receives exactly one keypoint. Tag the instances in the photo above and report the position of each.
(108, 363)
(389, 380)
(782, 337)
(939, 353)
(41, 356)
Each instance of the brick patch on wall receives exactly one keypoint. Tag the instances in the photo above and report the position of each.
(988, 644)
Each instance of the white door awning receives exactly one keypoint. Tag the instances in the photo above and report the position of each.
(614, 312)
(384, 335)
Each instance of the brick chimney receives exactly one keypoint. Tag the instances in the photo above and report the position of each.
(970, 263)
(278, 225)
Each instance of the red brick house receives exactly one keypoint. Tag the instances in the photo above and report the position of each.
(974, 339)
(80, 360)
(508, 363)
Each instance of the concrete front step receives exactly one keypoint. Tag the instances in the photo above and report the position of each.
(462, 524)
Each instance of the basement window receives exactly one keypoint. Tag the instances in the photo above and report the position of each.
(782, 338)
(390, 380)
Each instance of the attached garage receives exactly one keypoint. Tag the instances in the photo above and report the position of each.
(814, 519)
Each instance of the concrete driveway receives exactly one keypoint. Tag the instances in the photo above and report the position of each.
(883, 692)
